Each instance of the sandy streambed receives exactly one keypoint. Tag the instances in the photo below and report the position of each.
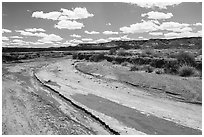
(125, 110)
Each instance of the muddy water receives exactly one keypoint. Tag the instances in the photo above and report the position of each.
(148, 124)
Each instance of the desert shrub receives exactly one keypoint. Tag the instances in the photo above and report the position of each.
(186, 58)
(81, 56)
(97, 57)
(148, 68)
(134, 68)
(143, 54)
(74, 55)
(200, 52)
(157, 63)
(122, 52)
(147, 53)
(109, 58)
(115, 62)
(172, 55)
(159, 71)
(124, 63)
(120, 59)
(112, 51)
(199, 66)
(171, 66)
(186, 71)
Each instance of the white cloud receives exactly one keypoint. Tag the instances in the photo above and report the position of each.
(114, 38)
(67, 24)
(75, 35)
(5, 38)
(198, 24)
(109, 32)
(64, 14)
(69, 44)
(156, 33)
(125, 38)
(36, 43)
(155, 21)
(6, 31)
(150, 4)
(51, 15)
(45, 38)
(175, 26)
(145, 26)
(157, 15)
(108, 24)
(87, 39)
(50, 38)
(142, 38)
(91, 32)
(5, 44)
(25, 33)
(101, 41)
(76, 41)
(19, 42)
(35, 29)
(182, 34)
(16, 37)
(77, 13)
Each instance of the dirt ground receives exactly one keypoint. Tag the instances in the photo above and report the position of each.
(123, 109)
(163, 85)
(29, 108)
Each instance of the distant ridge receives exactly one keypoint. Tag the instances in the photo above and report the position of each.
(177, 43)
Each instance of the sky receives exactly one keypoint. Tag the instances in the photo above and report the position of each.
(51, 24)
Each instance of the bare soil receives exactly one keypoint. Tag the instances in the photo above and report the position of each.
(162, 85)
(166, 116)
(29, 108)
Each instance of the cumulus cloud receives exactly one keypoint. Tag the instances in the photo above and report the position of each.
(142, 38)
(108, 24)
(145, 26)
(151, 4)
(87, 39)
(45, 38)
(50, 38)
(6, 31)
(155, 21)
(91, 32)
(77, 13)
(182, 34)
(114, 38)
(125, 37)
(64, 14)
(5, 38)
(157, 15)
(36, 43)
(19, 42)
(75, 41)
(101, 40)
(156, 33)
(35, 29)
(67, 24)
(54, 15)
(25, 33)
(175, 26)
(75, 35)
(16, 37)
(5, 44)
(109, 32)
(198, 24)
